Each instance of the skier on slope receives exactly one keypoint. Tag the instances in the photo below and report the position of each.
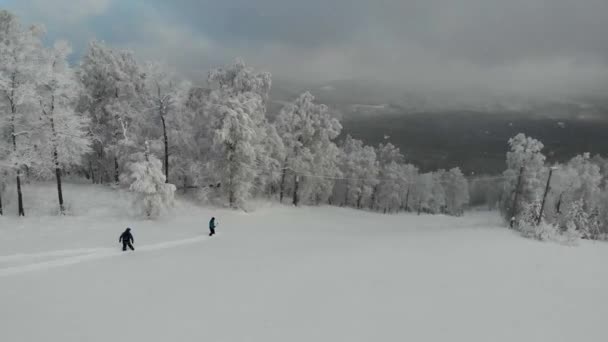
(212, 226)
(127, 240)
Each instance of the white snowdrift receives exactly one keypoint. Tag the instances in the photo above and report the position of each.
(285, 274)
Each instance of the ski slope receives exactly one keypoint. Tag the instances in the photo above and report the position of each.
(286, 274)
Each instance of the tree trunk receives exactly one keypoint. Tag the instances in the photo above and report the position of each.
(116, 175)
(346, 193)
(407, 200)
(372, 204)
(1, 212)
(283, 174)
(542, 207)
(101, 170)
(296, 187)
(56, 159)
(58, 177)
(91, 172)
(516, 197)
(559, 204)
(231, 199)
(59, 190)
(14, 137)
(359, 199)
(419, 206)
(162, 119)
(19, 194)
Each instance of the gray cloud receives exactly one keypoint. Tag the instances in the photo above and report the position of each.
(543, 46)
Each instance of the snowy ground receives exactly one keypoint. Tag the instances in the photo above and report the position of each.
(284, 274)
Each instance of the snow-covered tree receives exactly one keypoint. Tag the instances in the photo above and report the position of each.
(239, 127)
(589, 180)
(530, 227)
(456, 189)
(318, 188)
(603, 214)
(308, 131)
(190, 132)
(268, 179)
(390, 188)
(62, 133)
(238, 78)
(578, 219)
(422, 192)
(152, 194)
(360, 172)
(19, 60)
(236, 145)
(437, 201)
(410, 174)
(165, 95)
(386, 155)
(113, 97)
(578, 180)
(528, 219)
(523, 181)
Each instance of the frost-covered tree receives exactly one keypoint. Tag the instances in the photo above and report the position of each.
(19, 60)
(386, 155)
(422, 192)
(236, 145)
(152, 194)
(268, 179)
(239, 128)
(190, 132)
(113, 97)
(390, 187)
(578, 180)
(410, 174)
(528, 218)
(308, 131)
(360, 172)
(318, 187)
(523, 181)
(577, 218)
(165, 95)
(456, 189)
(603, 214)
(238, 78)
(62, 133)
(437, 202)
(588, 180)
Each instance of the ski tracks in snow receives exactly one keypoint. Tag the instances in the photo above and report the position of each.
(76, 256)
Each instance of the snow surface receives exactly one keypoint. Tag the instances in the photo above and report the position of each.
(286, 274)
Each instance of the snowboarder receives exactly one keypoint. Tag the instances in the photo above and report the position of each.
(212, 226)
(127, 240)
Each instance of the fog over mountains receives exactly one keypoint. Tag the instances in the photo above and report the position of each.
(446, 129)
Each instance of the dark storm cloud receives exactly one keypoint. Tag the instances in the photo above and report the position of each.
(526, 45)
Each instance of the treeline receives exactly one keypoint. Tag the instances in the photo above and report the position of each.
(564, 201)
(116, 120)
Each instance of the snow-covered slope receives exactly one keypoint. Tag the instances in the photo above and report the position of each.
(286, 274)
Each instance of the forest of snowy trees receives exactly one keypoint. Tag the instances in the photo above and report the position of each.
(112, 119)
(566, 201)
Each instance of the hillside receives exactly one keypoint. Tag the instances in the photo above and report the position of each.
(289, 274)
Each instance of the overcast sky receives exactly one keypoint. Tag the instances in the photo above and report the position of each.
(526, 45)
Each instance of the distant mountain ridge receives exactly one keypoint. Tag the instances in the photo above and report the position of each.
(440, 130)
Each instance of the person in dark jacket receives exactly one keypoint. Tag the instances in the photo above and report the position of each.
(212, 226)
(127, 240)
